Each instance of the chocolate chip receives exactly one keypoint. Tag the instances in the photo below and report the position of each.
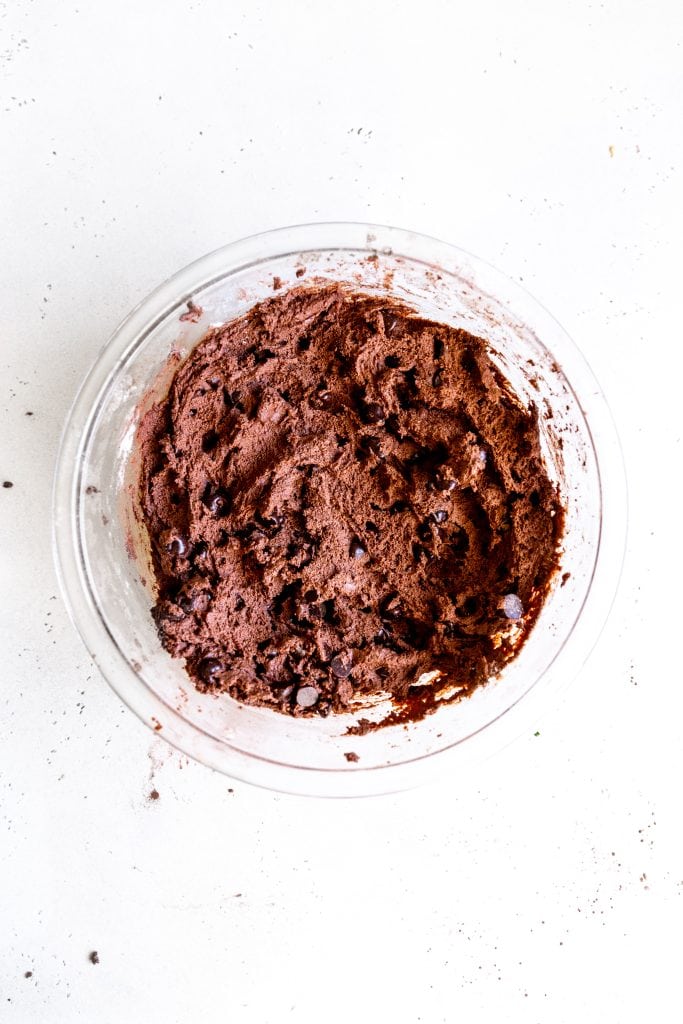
(512, 606)
(250, 404)
(419, 552)
(373, 412)
(417, 634)
(217, 500)
(391, 607)
(371, 444)
(322, 397)
(459, 541)
(200, 552)
(451, 630)
(300, 554)
(371, 527)
(191, 603)
(210, 669)
(392, 426)
(341, 441)
(469, 607)
(443, 483)
(404, 396)
(424, 531)
(167, 612)
(270, 524)
(177, 546)
(262, 356)
(437, 346)
(389, 322)
(328, 612)
(398, 506)
(307, 696)
(440, 516)
(342, 664)
(393, 362)
(278, 671)
(437, 379)
(468, 362)
(209, 441)
(356, 548)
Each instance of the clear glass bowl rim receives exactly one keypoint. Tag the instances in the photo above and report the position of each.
(174, 293)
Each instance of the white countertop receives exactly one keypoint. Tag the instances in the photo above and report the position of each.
(546, 886)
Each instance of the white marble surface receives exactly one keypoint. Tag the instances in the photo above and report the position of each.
(546, 886)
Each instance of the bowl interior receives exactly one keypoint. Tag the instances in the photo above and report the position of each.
(258, 743)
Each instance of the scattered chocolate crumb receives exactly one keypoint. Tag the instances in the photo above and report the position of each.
(350, 755)
(193, 314)
(277, 283)
(300, 271)
(362, 727)
(154, 795)
(29, 413)
(94, 957)
(565, 577)
(7, 483)
(28, 974)
(91, 489)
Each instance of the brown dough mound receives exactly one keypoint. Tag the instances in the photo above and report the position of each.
(340, 497)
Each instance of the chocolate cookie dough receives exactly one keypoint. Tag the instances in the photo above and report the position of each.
(344, 501)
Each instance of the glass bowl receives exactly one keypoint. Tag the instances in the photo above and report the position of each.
(108, 591)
